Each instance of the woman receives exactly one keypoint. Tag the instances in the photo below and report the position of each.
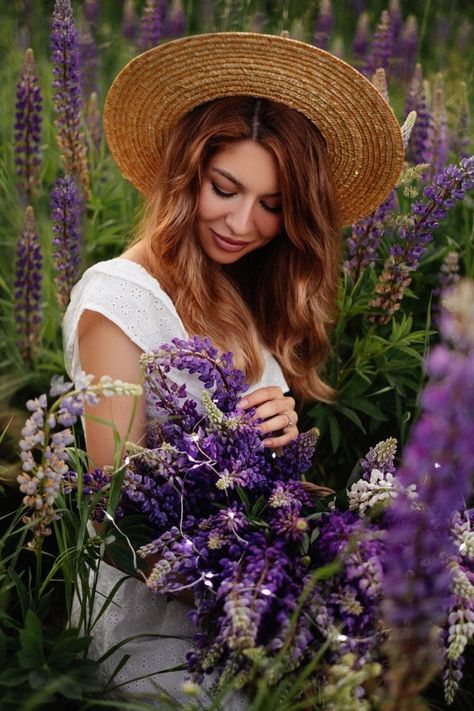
(252, 151)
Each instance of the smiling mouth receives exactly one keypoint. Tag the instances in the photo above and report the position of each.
(227, 243)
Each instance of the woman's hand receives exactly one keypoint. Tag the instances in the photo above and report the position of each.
(276, 412)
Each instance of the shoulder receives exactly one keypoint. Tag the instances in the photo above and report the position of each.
(128, 296)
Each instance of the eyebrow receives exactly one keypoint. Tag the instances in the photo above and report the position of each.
(236, 182)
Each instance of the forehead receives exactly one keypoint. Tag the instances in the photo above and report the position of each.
(249, 163)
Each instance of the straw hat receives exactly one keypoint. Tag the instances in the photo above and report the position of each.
(158, 87)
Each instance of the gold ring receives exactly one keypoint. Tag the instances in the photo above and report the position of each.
(290, 423)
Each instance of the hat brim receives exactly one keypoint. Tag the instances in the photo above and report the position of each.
(158, 87)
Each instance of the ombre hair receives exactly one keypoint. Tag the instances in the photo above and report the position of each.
(281, 296)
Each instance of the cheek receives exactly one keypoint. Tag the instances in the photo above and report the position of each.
(208, 207)
(270, 226)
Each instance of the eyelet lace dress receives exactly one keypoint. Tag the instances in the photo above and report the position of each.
(125, 293)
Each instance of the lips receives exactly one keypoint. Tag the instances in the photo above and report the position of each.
(228, 244)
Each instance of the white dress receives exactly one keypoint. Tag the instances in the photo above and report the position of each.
(130, 297)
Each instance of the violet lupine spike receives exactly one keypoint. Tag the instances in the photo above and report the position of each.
(324, 25)
(417, 148)
(129, 20)
(361, 41)
(29, 263)
(151, 28)
(89, 61)
(365, 239)
(461, 138)
(395, 15)
(438, 137)
(407, 49)
(445, 191)
(176, 20)
(92, 11)
(379, 80)
(66, 216)
(447, 277)
(382, 46)
(93, 119)
(65, 56)
(439, 459)
(28, 126)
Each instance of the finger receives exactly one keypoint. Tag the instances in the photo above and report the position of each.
(282, 440)
(261, 395)
(283, 421)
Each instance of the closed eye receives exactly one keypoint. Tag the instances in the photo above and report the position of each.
(223, 194)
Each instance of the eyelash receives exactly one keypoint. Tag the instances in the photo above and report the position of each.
(222, 194)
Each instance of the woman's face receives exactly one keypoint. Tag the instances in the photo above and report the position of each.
(239, 206)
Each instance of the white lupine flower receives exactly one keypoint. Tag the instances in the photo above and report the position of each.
(382, 488)
(461, 631)
(462, 586)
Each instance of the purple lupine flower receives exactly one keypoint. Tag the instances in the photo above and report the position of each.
(66, 216)
(464, 37)
(93, 121)
(324, 25)
(361, 41)
(28, 126)
(438, 138)
(407, 49)
(89, 57)
(175, 20)
(448, 276)
(129, 20)
(380, 457)
(92, 12)
(439, 459)
(395, 16)
(417, 150)
(382, 46)
(151, 27)
(65, 57)
(28, 288)
(461, 138)
(365, 239)
(446, 189)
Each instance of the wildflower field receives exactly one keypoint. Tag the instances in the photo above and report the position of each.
(336, 575)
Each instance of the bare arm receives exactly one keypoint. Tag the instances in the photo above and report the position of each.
(105, 350)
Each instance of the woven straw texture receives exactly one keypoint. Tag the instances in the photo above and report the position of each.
(158, 87)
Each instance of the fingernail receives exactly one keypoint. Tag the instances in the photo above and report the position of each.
(243, 403)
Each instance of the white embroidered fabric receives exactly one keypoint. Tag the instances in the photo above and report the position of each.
(130, 297)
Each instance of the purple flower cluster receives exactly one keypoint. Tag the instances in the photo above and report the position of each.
(66, 216)
(28, 126)
(439, 460)
(28, 288)
(447, 188)
(361, 41)
(129, 20)
(65, 56)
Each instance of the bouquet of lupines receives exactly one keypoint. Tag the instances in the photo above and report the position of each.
(282, 577)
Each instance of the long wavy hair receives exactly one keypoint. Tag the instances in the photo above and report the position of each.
(282, 295)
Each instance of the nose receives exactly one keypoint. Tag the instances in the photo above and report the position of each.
(239, 219)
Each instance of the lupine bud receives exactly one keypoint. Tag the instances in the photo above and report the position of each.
(395, 16)
(67, 93)
(92, 12)
(28, 288)
(28, 126)
(66, 217)
(176, 20)
(89, 61)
